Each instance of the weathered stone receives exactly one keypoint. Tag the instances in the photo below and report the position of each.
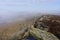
(49, 23)
(41, 30)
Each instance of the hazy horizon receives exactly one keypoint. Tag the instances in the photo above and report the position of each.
(10, 9)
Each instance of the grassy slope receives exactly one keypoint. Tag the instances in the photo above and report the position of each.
(8, 29)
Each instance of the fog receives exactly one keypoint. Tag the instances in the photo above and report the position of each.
(6, 17)
(11, 10)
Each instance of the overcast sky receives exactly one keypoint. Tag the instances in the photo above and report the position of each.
(29, 5)
(11, 8)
